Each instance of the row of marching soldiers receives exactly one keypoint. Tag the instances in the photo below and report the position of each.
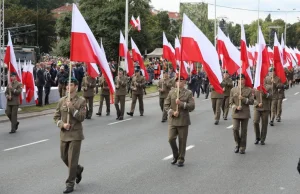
(266, 104)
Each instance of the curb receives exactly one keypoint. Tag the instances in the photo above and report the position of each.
(51, 111)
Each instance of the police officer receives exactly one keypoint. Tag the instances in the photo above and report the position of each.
(69, 116)
(121, 82)
(179, 119)
(274, 82)
(137, 86)
(164, 86)
(239, 103)
(262, 105)
(105, 95)
(12, 94)
(88, 86)
(227, 86)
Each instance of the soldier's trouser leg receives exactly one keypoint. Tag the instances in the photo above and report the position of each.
(8, 111)
(101, 104)
(182, 134)
(12, 113)
(244, 128)
(256, 120)
(173, 133)
(134, 98)
(117, 101)
(225, 106)
(214, 105)
(279, 108)
(198, 90)
(70, 152)
(107, 101)
(60, 88)
(164, 113)
(141, 103)
(273, 109)
(91, 105)
(236, 131)
(64, 91)
(218, 108)
(264, 124)
(122, 103)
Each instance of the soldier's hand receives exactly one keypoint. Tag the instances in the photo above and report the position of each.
(223, 89)
(9, 97)
(10, 86)
(241, 97)
(69, 104)
(239, 108)
(67, 126)
(260, 105)
(175, 114)
(178, 101)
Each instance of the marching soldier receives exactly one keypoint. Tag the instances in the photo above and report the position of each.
(227, 86)
(12, 93)
(164, 87)
(216, 100)
(105, 94)
(262, 104)
(137, 87)
(274, 82)
(71, 133)
(239, 103)
(281, 96)
(121, 82)
(179, 119)
(88, 85)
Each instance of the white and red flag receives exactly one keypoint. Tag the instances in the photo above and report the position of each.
(297, 53)
(133, 22)
(183, 65)
(85, 48)
(263, 63)
(244, 59)
(28, 79)
(92, 70)
(137, 56)
(198, 48)
(271, 54)
(278, 60)
(124, 52)
(231, 55)
(139, 26)
(169, 52)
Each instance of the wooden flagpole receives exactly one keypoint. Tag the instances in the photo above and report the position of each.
(69, 92)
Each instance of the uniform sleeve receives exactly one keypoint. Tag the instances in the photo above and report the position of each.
(132, 86)
(93, 83)
(249, 100)
(7, 92)
(167, 105)
(123, 82)
(79, 114)
(143, 83)
(229, 83)
(255, 98)
(57, 116)
(18, 90)
(231, 101)
(190, 104)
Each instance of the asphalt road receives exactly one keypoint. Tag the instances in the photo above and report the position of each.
(131, 157)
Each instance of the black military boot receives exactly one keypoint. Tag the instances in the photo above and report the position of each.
(256, 141)
(69, 190)
(79, 175)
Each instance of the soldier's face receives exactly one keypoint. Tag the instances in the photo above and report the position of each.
(226, 75)
(72, 87)
(181, 83)
(13, 78)
(120, 73)
(270, 73)
(242, 81)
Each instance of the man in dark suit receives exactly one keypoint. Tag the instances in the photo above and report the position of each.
(53, 73)
(40, 82)
(48, 83)
(79, 74)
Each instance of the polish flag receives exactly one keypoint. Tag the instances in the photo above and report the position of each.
(183, 65)
(297, 52)
(168, 51)
(30, 88)
(271, 54)
(293, 56)
(263, 63)
(198, 48)
(133, 22)
(250, 56)
(124, 52)
(85, 48)
(244, 59)
(283, 50)
(256, 48)
(11, 62)
(278, 60)
(138, 21)
(231, 55)
(137, 56)
(92, 70)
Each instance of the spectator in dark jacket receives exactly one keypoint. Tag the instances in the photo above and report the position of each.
(48, 83)
(40, 82)
(79, 74)
(53, 73)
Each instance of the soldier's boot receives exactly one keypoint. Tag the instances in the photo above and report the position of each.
(242, 150)
(174, 150)
(118, 111)
(257, 141)
(79, 174)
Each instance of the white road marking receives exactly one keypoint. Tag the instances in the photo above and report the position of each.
(296, 93)
(119, 121)
(284, 99)
(281, 188)
(231, 126)
(205, 100)
(171, 156)
(26, 145)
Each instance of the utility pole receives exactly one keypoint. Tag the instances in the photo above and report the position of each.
(2, 46)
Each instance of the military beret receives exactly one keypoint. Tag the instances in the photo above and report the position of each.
(241, 76)
(13, 74)
(271, 69)
(181, 78)
(73, 80)
(137, 69)
(121, 69)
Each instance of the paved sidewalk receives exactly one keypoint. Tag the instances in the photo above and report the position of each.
(51, 111)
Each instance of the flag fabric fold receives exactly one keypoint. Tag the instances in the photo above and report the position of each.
(183, 65)
(278, 60)
(198, 48)
(137, 56)
(169, 51)
(124, 52)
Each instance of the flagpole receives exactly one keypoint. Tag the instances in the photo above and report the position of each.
(8, 79)
(240, 84)
(69, 92)
(126, 23)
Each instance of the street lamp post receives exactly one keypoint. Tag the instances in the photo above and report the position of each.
(285, 24)
(126, 22)
(215, 29)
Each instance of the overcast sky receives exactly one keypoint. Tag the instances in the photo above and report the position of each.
(239, 16)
